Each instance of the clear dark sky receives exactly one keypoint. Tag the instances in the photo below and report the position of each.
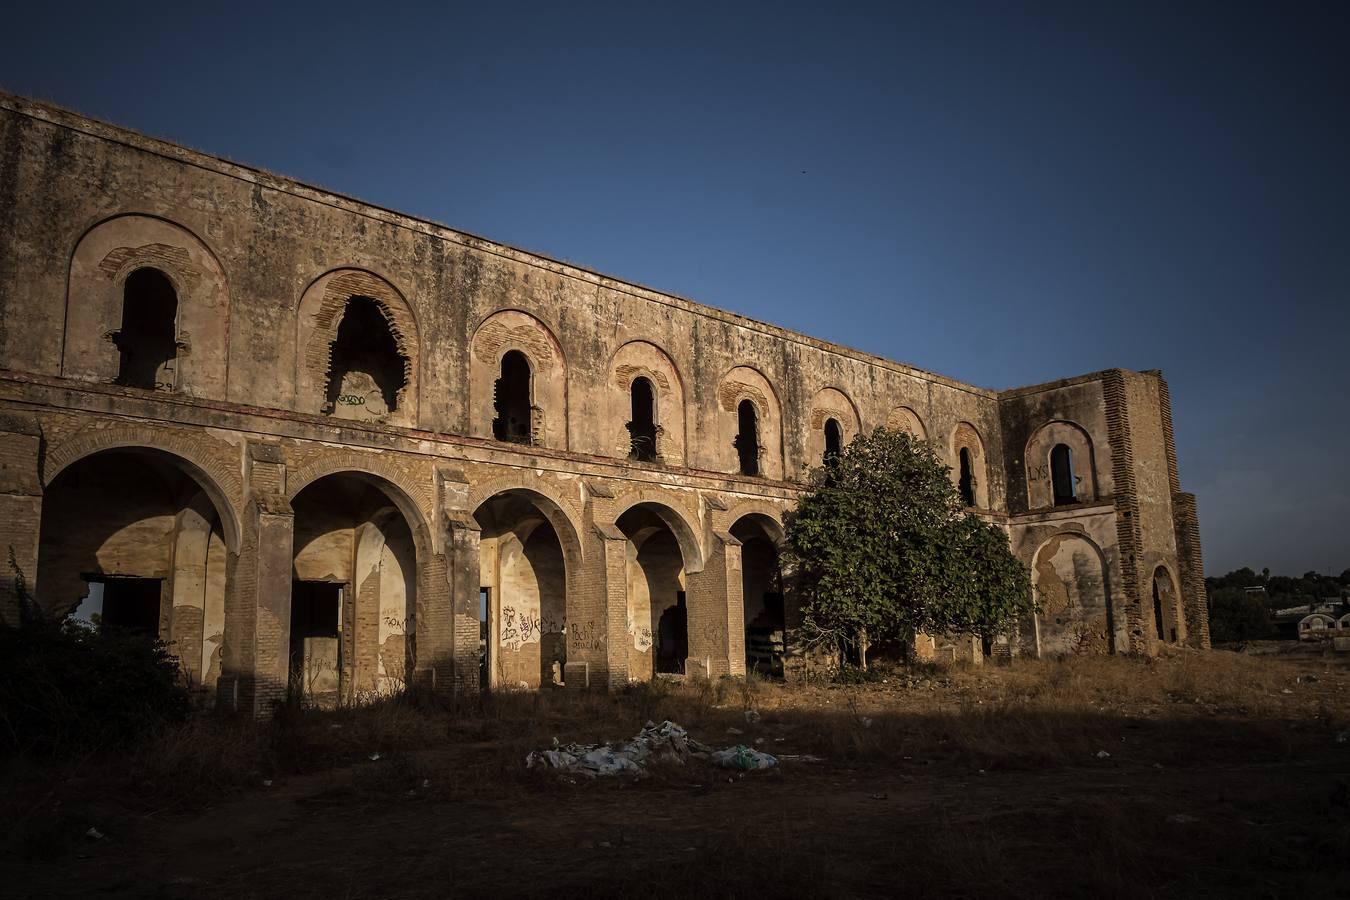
(999, 195)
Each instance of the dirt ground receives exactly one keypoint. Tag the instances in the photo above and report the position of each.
(1196, 774)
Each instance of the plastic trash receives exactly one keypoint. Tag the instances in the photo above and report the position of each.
(743, 758)
(666, 742)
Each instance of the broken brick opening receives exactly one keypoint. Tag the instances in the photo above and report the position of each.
(747, 437)
(642, 425)
(512, 400)
(148, 338)
(1061, 475)
(366, 372)
(966, 483)
(834, 441)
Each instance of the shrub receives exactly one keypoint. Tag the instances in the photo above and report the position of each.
(67, 688)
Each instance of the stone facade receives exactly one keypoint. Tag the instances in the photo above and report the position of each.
(308, 438)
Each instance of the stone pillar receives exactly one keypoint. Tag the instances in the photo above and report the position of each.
(258, 596)
(1194, 598)
(20, 510)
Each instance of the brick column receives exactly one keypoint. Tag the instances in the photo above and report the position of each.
(717, 612)
(255, 661)
(1194, 599)
(20, 511)
(447, 646)
(1129, 536)
(612, 562)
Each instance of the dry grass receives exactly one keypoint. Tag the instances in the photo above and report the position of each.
(1006, 757)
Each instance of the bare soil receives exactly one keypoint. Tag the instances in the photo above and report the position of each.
(1192, 775)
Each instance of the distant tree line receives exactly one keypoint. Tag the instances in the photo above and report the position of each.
(1239, 612)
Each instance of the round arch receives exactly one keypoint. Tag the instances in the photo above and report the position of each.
(408, 496)
(1078, 615)
(550, 504)
(674, 515)
(221, 486)
(766, 514)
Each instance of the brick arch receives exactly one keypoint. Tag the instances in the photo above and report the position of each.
(644, 358)
(746, 382)
(676, 516)
(904, 418)
(411, 496)
(218, 479)
(1036, 458)
(965, 435)
(103, 257)
(497, 334)
(554, 507)
(1043, 569)
(758, 508)
(320, 312)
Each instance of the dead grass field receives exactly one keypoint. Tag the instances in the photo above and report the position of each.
(1227, 775)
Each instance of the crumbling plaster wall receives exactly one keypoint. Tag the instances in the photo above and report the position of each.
(273, 243)
(279, 249)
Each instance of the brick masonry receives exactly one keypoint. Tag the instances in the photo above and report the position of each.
(264, 267)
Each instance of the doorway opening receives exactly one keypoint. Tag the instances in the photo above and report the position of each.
(316, 641)
(126, 604)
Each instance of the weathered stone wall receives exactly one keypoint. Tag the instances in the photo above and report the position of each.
(291, 449)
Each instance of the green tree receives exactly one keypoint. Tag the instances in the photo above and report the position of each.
(882, 548)
(1236, 615)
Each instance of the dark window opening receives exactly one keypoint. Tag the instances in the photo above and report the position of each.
(747, 437)
(642, 426)
(1061, 475)
(484, 635)
(316, 637)
(128, 604)
(672, 637)
(365, 371)
(512, 393)
(966, 484)
(1158, 612)
(148, 338)
(834, 441)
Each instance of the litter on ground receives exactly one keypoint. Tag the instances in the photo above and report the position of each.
(666, 742)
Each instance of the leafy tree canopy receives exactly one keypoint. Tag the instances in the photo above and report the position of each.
(882, 548)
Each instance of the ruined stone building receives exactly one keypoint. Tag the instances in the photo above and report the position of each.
(315, 442)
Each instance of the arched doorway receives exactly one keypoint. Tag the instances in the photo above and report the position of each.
(522, 605)
(1166, 620)
(353, 591)
(1069, 577)
(762, 593)
(658, 610)
(132, 538)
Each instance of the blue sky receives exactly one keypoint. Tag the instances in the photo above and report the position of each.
(1002, 193)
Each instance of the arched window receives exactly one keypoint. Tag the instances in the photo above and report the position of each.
(148, 338)
(1061, 475)
(513, 400)
(642, 425)
(1159, 628)
(365, 371)
(834, 441)
(966, 484)
(747, 437)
